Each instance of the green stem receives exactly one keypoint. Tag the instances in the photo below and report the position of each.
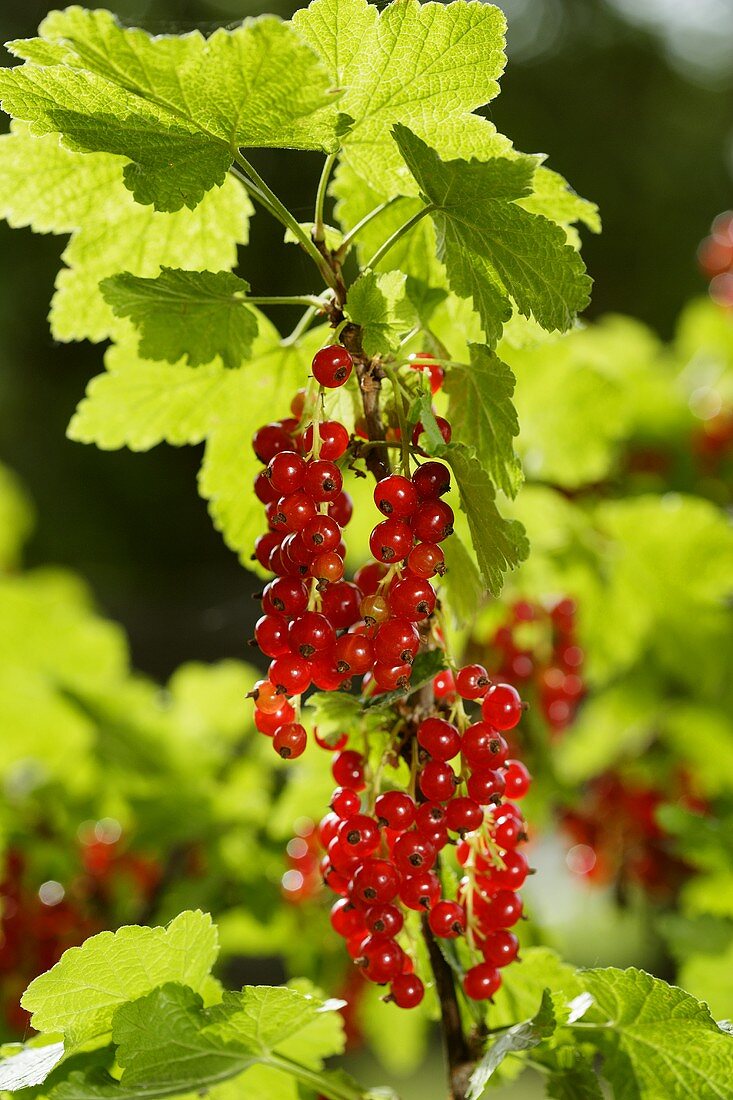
(401, 418)
(319, 234)
(262, 191)
(396, 236)
(302, 326)
(298, 300)
(353, 233)
(320, 1083)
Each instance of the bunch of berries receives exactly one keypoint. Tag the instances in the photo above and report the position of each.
(715, 257)
(383, 846)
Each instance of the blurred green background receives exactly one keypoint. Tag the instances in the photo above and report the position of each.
(631, 100)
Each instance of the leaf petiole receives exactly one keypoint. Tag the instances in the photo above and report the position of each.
(319, 234)
(356, 230)
(396, 236)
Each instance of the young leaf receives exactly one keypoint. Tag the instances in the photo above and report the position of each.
(176, 106)
(54, 190)
(193, 314)
(79, 995)
(656, 1039)
(483, 416)
(495, 252)
(428, 66)
(372, 303)
(521, 1037)
(499, 544)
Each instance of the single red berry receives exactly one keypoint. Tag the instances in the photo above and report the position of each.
(344, 861)
(346, 919)
(327, 567)
(483, 747)
(359, 835)
(340, 604)
(271, 635)
(334, 439)
(270, 439)
(406, 991)
(266, 697)
(295, 510)
(355, 943)
(327, 828)
(464, 815)
(433, 521)
(375, 882)
(320, 534)
(264, 546)
(395, 496)
(396, 642)
(374, 609)
(411, 598)
(298, 403)
(508, 832)
(391, 541)
(444, 685)
(285, 596)
(290, 740)
(348, 770)
(420, 891)
(502, 910)
(395, 809)
(369, 576)
(382, 959)
(332, 366)
(517, 779)
(439, 738)
(391, 677)
(326, 677)
(311, 633)
(425, 560)
(513, 874)
(322, 480)
(443, 427)
(431, 480)
(269, 724)
(447, 919)
(485, 786)
(345, 802)
(472, 681)
(438, 781)
(481, 982)
(412, 852)
(290, 674)
(353, 654)
(286, 472)
(502, 706)
(383, 920)
(341, 508)
(500, 948)
(425, 363)
(264, 489)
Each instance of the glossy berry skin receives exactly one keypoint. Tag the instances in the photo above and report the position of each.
(382, 959)
(483, 747)
(286, 596)
(383, 920)
(311, 633)
(291, 674)
(437, 781)
(374, 882)
(359, 835)
(290, 740)
(266, 697)
(433, 521)
(412, 852)
(443, 427)
(508, 832)
(345, 802)
(444, 685)
(334, 439)
(439, 738)
(485, 786)
(395, 809)
(447, 919)
(321, 534)
(412, 598)
(425, 560)
(502, 910)
(513, 874)
(295, 510)
(326, 677)
(264, 490)
(463, 815)
(500, 948)
(420, 891)
(269, 440)
(348, 770)
(406, 991)
(395, 496)
(340, 604)
(374, 609)
(346, 919)
(517, 778)
(264, 546)
(391, 541)
(327, 567)
(424, 362)
(271, 635)
(472, 682)
(431, 480)
(353, 654)
(396, 642)
(368, 577)
(332, 366)
(502, 706)
(269, 724)
(481, 982)
(286, 472)
(322, 480)
(341, 509)
(391, 677)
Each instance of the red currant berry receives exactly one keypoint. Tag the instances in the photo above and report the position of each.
(290, 674)
(295, 511)
(411, 852)
(431, 480)
(345, 862)
(433, 521)
(375, 882)
(513, 874)
(334, 440)
(264, 489)
(395, 496)
(269, 724)
(264, 546)
(348, 770)
(472, 682)
(266, 697)
(485, 786)
(443, 427)
(502, 706)
(327, 828)
(333, 742)
(429, 816)
(502, 910)
(269, 440)
(374, 609)
(517, 779)
(508, 832)
(447, 919)
(369, 576)
(391, 541)
(444, 685)
(326, 677)
(340, 604)
(464, 815)
(424, 362)
(481, 982)
(345, 802)
(382, 959)
(438, 781)
(341, 508)
(286, 472)
(332, 366)
(359, 835)
(298, 403)
(500, 948)
(395, 809)
(383, 920)
(327, 567)
(320, 534)
(346, 919)
(271, 635)
(397, 641)
(412, 598)
(439, 738)
(420, 891)
(353, 654)
(391, 677)
(406, 991)
(310, 634)
(290, 740)
(322, 480)
(425, 560)
(483, 747)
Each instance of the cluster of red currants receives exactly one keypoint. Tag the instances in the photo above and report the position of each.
(715, 256)
(384, 862)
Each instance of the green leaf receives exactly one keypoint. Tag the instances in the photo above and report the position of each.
(495, 252)
(657, 1040)
(519, 1038)
(450, 57)
(54, 190)
(30, 1066)
(372, 303)
(499, 544)
(482, 414)
(461, 581)
(553, 197)
(524, 985)
(708, 976)
(195, 315)
(16, 518)
(176, 106)
(574, 1081)
(79, 995)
